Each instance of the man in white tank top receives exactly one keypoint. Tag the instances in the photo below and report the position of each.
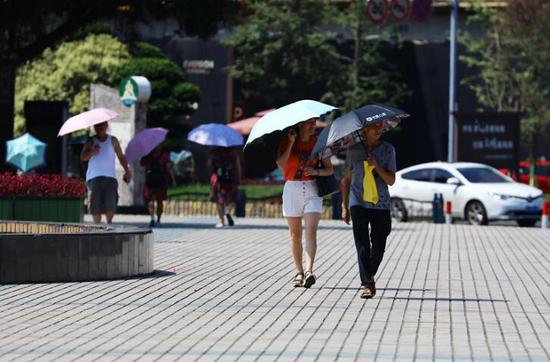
(100, 152)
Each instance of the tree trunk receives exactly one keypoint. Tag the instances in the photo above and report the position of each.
(7, 99)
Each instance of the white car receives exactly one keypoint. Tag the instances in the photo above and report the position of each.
(478, 193)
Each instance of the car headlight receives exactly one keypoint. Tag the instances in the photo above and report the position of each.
(500, 196)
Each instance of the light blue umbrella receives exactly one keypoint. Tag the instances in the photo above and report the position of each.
(176, 157)
(25, 152)
(215, 134)
(288, 116)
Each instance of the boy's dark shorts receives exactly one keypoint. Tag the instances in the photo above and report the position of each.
(103, 195)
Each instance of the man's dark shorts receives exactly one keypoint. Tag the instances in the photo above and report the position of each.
(103, 195)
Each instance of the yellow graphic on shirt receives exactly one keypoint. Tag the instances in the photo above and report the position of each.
(370, 191)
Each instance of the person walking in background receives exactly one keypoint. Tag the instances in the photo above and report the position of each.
(370, 168)
(99, 151)
(226, 173)
(158, 173)
(300, 197)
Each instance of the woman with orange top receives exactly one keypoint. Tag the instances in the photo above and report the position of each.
(300, 197)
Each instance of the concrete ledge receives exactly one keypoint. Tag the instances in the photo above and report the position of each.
(32, 252)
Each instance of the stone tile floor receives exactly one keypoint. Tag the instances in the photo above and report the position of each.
(445, 292)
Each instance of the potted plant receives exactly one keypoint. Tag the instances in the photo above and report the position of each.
(36, 197)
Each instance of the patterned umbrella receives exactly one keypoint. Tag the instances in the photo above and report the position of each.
(344, 131)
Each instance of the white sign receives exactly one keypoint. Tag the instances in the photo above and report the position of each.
(198, 66)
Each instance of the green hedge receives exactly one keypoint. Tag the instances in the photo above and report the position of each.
(201, 191)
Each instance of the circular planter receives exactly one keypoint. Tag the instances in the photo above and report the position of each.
(32, 252)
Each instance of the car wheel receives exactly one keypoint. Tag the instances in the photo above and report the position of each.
(476, 214)
(526, 222)
(398, 210)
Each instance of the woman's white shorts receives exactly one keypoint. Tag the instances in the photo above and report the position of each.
(300, 197)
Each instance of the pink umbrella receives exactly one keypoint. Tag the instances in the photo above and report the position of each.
(86, 119)
(144, 142)
(244, 126)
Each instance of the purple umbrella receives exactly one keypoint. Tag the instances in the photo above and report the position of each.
(144, 142)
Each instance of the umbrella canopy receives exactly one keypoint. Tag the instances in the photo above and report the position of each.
(144, 142)
(344, 131)
(288, 116)
(215, 134)
(176, 157)
(25, 152)
(244, 126)
(86, 119)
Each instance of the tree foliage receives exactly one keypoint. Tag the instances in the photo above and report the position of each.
(27, 27)
(171, 95)
(513, 60)
(365, 76)
(287, 50)
(281, 52)
(196, 18)
(65, 73)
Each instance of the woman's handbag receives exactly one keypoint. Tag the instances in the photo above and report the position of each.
(326, 185)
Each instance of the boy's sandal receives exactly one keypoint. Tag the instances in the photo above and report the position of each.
(298, 280)
(310, 279)
(369, 291)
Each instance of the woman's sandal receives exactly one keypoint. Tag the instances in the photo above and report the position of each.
(298, 280)
(310, 279)
(369, 291)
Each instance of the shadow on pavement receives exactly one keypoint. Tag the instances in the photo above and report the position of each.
(379, 289)
(155, 274)
(477, 300)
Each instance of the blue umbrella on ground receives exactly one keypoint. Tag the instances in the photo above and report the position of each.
(344, 131)
(25, 152)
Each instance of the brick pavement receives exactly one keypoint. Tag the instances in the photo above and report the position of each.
(445, 292)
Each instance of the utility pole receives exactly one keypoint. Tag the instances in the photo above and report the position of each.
(451, 157)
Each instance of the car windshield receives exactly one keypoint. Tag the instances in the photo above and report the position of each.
(482, 175)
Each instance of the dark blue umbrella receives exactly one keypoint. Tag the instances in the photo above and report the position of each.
(344, 131)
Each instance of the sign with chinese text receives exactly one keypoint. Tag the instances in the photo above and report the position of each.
(489, 138)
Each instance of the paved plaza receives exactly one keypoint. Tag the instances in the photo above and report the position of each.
(445, 292)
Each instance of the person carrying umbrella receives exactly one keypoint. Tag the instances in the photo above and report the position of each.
(225, 166)
(369, 168)
(158, 172)
(225, 178)
(297, 122)
(100, 151)
(146, 147)
(300, 197)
